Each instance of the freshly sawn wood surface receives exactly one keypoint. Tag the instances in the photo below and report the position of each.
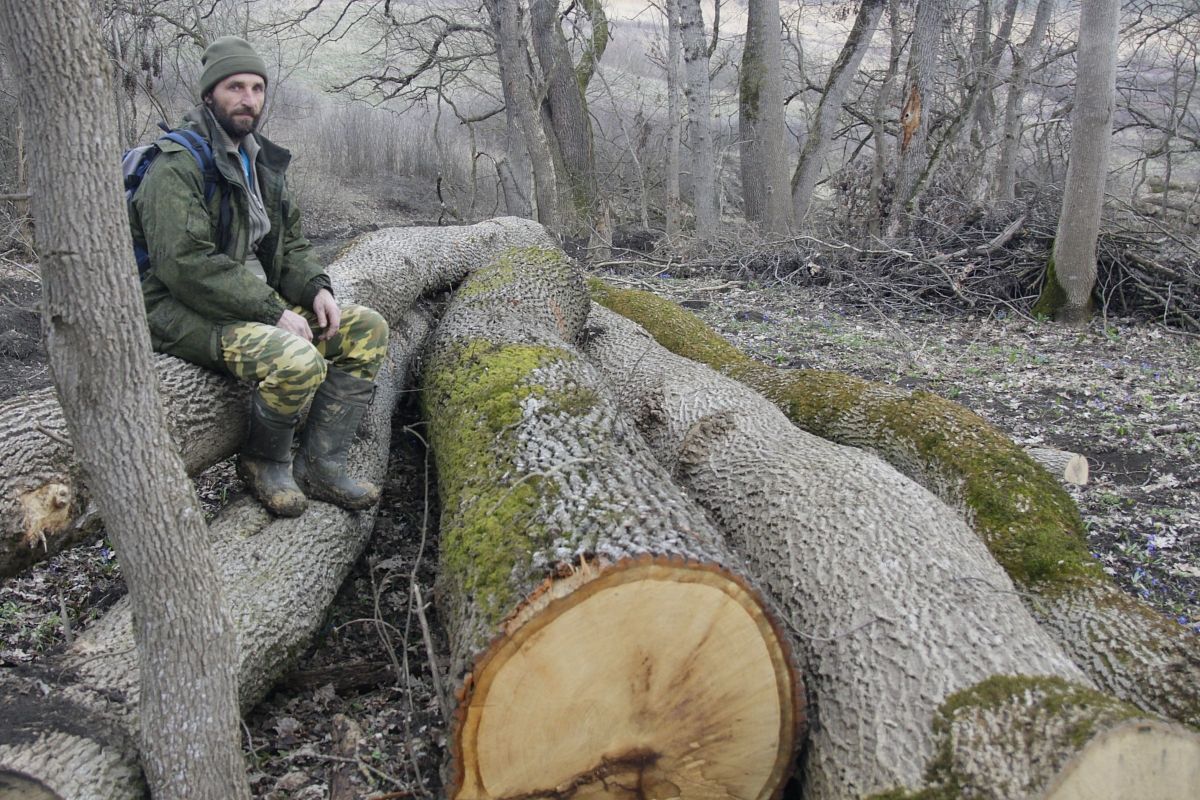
(601, 636)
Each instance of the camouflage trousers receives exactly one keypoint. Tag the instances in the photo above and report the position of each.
(289, 369)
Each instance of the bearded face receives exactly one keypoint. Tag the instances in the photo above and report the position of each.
(237, 103)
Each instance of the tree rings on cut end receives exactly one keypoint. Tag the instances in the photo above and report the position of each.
(1146, 760)
(646, 679)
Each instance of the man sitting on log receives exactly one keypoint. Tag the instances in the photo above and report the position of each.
(232, 284)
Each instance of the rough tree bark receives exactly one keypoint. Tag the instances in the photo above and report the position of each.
(505, 16)
(1071, 274)
(674, 120)
(918, 97)
(44, 501)
(1028, 522)
(279, 575)
(898, 605)
(566, 122)
(824, 119)
(760, 120)
(697, 91)
(567, 553)
(1014, 112)
(99, 350)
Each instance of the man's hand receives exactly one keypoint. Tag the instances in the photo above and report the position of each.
(329, 316)
(292, 322)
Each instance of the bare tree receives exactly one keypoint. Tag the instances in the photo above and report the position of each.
(821, 126)
(1005, 181)
(760, 120)
(917, 109)
(99, 350)
(674, 118)
(697, 91)
(518, 95)
(1071, 273)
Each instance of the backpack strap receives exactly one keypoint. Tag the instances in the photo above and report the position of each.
(201, 150)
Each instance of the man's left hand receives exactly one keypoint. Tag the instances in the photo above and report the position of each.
(329, 316)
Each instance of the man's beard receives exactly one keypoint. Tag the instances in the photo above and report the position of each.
(236, 127)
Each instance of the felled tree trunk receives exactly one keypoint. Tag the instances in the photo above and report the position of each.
(44, 504)
(71, 722)
(901, 611)
(1027, 521)
(602, 639)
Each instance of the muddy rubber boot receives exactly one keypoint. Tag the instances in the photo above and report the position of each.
(265, 463)
(320, 467)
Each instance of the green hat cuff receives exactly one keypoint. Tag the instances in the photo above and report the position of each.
(227, 56)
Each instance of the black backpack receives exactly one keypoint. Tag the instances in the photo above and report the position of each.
(137, 160)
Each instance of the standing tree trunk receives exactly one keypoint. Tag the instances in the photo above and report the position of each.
(883, 100)
(1023, 56)
(566, 123)
(674, 120)
(99, 350)
(704, 169)
(1071, 274)
(760, 120)
(820, 130)
(916, 111)
(518, 96)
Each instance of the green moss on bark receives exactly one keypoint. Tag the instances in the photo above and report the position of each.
(1053, 298)
(474, 399)
(1060, 716)
(1030, 524)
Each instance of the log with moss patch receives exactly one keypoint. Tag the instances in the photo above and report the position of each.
(898, 604)
(1026, 519)
(44, 503)
(602, 639)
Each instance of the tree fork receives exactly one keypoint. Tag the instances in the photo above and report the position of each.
(600, 634)
(1029, 523)
(900, 607)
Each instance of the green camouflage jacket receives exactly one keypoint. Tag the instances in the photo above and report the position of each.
(194, 287)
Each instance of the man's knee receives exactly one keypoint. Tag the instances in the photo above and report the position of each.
(364, 341)
(294, 377)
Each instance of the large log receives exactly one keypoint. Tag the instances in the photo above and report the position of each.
(902, 612)
(602, 640)
(1026, 519)
(44, 505)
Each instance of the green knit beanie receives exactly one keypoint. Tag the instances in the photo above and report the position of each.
(227, 56)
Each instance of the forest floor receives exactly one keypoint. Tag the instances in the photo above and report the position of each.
(1125, 394)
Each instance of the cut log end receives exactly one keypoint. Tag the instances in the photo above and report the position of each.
(1068, 467)
(650, 678)
(1147, 760)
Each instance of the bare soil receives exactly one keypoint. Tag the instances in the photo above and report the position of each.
(1124, 394)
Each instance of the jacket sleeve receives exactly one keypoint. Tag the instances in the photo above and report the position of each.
(181, 240)
(301, 276)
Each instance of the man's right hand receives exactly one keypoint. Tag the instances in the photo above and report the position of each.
(292, 322)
